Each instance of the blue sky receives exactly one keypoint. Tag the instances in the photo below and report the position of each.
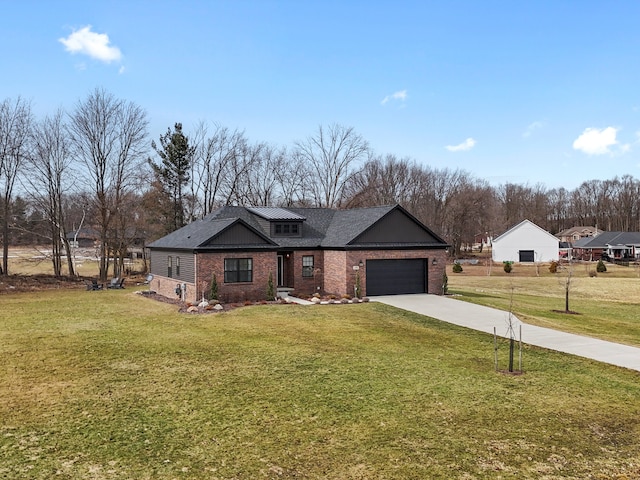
(525, 92)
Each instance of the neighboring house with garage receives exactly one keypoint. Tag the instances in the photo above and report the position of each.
(525, 242)
(305, 250)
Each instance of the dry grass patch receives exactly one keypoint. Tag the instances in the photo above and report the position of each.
(607, 304)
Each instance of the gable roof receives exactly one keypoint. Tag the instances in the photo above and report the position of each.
(522, 224)
(322, 228)
(582, 230)
(199, 233)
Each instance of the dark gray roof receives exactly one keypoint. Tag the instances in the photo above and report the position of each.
(195, 234)
(347, 225)
(275, 213)
(611, 238)
(322, 228)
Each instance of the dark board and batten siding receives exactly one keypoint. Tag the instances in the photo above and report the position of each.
(237, 234)
(160, 259)
(396, 227)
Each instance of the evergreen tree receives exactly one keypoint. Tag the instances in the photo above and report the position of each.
(172, 174)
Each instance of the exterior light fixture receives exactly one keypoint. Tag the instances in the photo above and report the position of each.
(434, 261)
(360, 263)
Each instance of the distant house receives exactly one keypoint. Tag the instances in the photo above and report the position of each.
(85, 237)
(609, 246)
(307, 250)
(574, 234)
(525, 242)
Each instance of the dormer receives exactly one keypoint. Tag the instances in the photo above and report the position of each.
(279, 222)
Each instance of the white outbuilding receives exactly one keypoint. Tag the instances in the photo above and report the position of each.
(526, 242)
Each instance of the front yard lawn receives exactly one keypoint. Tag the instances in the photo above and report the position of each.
(113, 385)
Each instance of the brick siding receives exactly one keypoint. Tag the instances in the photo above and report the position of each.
(263, 264)
(340, 276)
(334, 273)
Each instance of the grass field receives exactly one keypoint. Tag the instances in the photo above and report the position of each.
(608, 305)
(110, 385)
(35, 260)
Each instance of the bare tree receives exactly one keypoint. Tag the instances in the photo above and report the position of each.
(15, 134)
(293, 181)
(211, 183)
(109, 137)
(260, 186)
(332, 155)
(51, 176)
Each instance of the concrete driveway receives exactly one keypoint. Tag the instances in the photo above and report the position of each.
(484, 319)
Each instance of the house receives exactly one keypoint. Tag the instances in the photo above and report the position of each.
(574, 234)
(525, 242)
(305, 250)
(623, 246)
(85, 237)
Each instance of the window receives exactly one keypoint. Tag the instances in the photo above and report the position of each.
(286, 229)
(307, 266)
(238, 270)
(169, 266)
(177, 266)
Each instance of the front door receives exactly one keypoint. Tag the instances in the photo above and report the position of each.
(280, 273)
(284, 273)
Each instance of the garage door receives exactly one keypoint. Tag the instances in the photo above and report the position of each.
(526, 255)
(395, 277)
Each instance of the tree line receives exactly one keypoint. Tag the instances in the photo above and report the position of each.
(94, 166)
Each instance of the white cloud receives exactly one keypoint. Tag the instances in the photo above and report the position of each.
(95, 45)
(401, 96)
(468, 144)
(594, 141)
(531, 128)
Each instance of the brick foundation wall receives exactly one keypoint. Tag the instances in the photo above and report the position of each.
(166, 287)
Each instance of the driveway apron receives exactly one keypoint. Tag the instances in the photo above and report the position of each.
(485, 319)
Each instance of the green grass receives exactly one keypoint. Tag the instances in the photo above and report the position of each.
(608, 305)
(113, 385)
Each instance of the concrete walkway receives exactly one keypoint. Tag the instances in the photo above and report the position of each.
(484, 319)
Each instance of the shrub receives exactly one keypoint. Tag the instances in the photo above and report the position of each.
(213, 294)
(508, 267)
(271, 293)
(457, 268)
(553, 268)
(601, 267)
